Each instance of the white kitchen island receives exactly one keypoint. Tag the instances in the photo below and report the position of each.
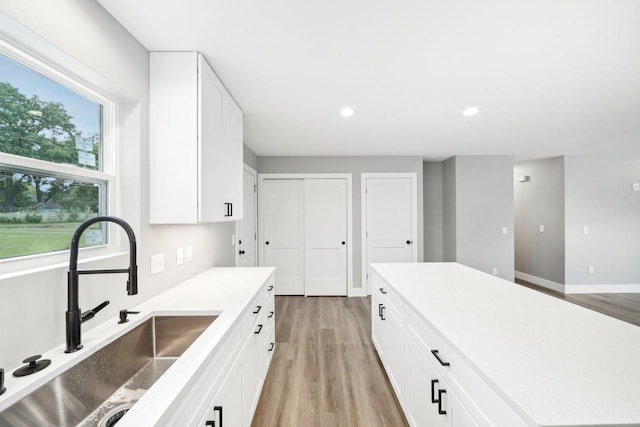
(465, 348)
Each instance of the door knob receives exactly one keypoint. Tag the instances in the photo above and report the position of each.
(409, 242)
(241, 252)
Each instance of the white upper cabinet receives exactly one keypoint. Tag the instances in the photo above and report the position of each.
(195, 143)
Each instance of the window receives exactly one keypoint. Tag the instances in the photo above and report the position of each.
(55, 143)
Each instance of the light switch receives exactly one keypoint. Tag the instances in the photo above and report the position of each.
(636, 186)
(494, 271)
(505, 230)
(541, 228)
(157, 264)
(585, 230)
(189, 253)
(591, 269)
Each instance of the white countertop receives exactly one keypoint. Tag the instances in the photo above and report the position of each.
(225, 292)
(555, 363)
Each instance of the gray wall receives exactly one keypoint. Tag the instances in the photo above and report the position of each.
(477, 204)
(354, 165)
(540, 201)
(249, 157)
(449, 210)
(598, 194)
(432, 184)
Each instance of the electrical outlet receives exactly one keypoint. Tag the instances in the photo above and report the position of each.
(157, 264)
(541, 228)
(189, 253)
(585, 230)
(505, 230)
(494, 271)
(179, 256)
(636, 186)
(591, 270)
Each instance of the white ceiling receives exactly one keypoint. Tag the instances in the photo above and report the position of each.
(550, 77)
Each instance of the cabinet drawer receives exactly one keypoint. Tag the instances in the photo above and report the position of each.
(388, 296)
(486, 407)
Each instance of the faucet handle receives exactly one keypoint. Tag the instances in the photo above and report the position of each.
(123, 315)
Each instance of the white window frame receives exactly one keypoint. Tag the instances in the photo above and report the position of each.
(24, 47)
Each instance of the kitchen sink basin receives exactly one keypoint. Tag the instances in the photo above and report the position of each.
(99, 390)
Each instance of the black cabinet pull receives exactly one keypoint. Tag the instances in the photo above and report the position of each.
(437, 356)
(344, 243)
(433, 391)
(272, 346)
(210, 423)
(266, 243)
(239, 241)
(382, 312)
(409, 242)
(228, 209)
(258, 308)
(270, 314)
(383, 291)
(241, 252)
(218, 409)
(270, 288)
(440, 411)
(259, 329)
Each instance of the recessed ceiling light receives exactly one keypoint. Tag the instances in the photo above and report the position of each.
(346, 112)
(471, 111)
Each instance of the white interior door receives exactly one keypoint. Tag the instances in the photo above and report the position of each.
(389, 219)
(325, 236)
(282, 208)
(246, 228)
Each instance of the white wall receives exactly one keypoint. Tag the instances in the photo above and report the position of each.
(433, 233)
(354, 165)
(540, 201)
(32, 306)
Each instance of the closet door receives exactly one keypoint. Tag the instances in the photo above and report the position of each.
(325, 236)
(283, 234)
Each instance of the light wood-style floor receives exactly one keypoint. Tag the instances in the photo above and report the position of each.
(625, 307)
(325, 370)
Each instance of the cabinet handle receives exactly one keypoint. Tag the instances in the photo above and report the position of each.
(259, 329)
(270, 288)
(383, 291)
(258, 308)
(440, 411)
(210, 423)
(382, 312)
(228, 209)
(218, 409)
(272, 346)
(409, 242)
(437, 356)
(270, 314)
(433, 392)
(266, 243)
(344, 243)
(241, 252)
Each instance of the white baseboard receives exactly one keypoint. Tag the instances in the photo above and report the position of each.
(357, 292)
(549, 284)
(631, 288)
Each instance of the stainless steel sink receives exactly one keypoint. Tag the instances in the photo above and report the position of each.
(101, 388)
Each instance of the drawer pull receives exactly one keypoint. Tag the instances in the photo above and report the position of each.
(258, 308)
(383, 291)
(272, 346)
(382, 312)
(216, 409)
(437, 356)
(433, 391)
(259, 329)
(440, 411)
(271, 313)
(270, 288)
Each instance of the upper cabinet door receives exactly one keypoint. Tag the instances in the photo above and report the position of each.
(212, 168)
(196, 143)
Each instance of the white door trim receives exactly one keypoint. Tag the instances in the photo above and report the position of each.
(349, 177)
(251, 171)
(363, 216)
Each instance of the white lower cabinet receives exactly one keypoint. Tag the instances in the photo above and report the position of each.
(430, 401)
(434, 385)
(225, 409)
